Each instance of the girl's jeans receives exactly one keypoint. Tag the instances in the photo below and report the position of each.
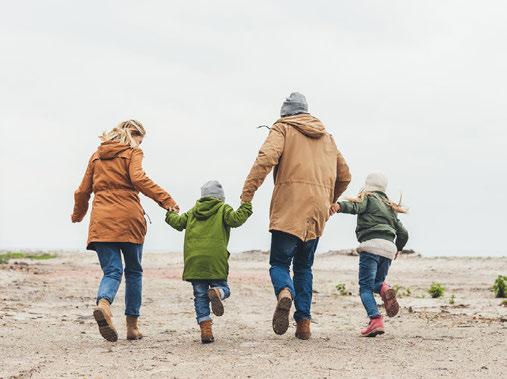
(287, 249)
(201, 299)
(372, 273)
(109, 254)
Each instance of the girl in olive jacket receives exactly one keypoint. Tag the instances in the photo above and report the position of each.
(208, 226)
(381, 236)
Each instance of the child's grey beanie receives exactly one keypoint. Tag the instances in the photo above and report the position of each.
(213, 189)
(375, 182)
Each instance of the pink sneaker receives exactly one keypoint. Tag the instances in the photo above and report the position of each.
(375, 327)
(388, 296)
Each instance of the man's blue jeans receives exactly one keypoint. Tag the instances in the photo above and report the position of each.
(109, 254)
(201, 299)
(373, 270)
(285, 250)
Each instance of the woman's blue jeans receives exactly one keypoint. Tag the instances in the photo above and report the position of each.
(109, 254)
(373, 270)
(287, 249)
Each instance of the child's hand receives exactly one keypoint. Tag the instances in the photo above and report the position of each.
(334, 208)
(396, 255)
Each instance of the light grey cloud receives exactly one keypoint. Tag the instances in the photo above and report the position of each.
(414, 89)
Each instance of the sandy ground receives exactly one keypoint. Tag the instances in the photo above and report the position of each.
(47, 329)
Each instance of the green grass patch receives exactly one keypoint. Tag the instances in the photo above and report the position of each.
(5, 257)
(499, 286)
(436, 290)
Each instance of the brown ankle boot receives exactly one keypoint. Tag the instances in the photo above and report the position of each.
(206, 331)
(281, 315)
(216, 303)
(133, 332)
(104, 318)
(303, 329)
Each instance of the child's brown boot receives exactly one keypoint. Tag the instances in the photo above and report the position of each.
(216, 302)
(133, 332)
(206, 331)
(303, 329)
(104, 318)
(281, 315)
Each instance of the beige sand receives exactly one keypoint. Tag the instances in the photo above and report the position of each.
(47, 329)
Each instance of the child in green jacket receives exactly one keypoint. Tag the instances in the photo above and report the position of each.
(377, 229)
(208, 226)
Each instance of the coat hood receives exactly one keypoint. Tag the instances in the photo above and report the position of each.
(206, 207)
(305, 123)
(111, 149)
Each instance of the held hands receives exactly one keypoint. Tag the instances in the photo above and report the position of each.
(175, 208)
(334, 208)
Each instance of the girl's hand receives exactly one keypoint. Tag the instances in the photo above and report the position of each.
(334, 209)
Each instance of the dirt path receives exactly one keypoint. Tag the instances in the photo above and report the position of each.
(46, 327)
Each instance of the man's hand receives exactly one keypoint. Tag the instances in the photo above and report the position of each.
(243, 201)
(334, 208)
(74, 219)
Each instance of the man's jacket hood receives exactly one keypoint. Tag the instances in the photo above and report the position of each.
(305, 123)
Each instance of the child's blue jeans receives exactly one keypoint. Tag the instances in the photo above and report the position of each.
(373, 270)
(201, 299)
(109, 254)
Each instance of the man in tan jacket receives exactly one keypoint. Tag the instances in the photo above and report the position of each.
(309, 174)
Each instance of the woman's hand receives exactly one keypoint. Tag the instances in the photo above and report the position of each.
(175, 208)
(334, 209)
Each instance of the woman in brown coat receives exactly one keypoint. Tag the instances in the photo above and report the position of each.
(117, 225)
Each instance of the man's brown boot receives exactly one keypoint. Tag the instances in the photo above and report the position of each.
(133, 332)
(281, 315)
(206, 331)
(303, 329)
(104, 318)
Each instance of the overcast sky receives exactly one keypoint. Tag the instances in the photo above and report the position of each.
(416, 89)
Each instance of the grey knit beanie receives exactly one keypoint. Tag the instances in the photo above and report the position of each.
(294, 104)
(375, 182)
(213, 189)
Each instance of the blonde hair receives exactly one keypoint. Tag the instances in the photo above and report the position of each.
(124, 132)
(396, 207)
